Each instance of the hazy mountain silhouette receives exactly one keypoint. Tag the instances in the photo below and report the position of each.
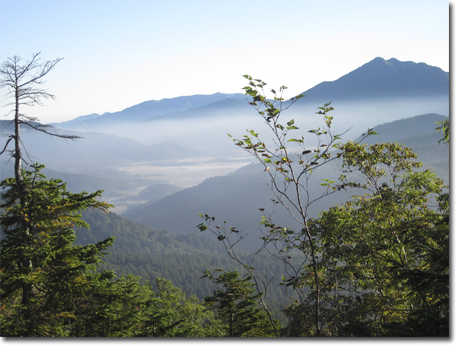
(413, 127)
(143, 111)
(379, 79)
(92, 149)
(224, 108)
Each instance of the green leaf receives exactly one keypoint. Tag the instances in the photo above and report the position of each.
(252, 93)
(202, 227)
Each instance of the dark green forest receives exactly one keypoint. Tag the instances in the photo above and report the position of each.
(360, 247)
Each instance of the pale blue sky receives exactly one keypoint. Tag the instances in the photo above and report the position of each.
(120, 53)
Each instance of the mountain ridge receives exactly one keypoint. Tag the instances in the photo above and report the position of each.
(377, 79)
(400, 79)
(145, 110)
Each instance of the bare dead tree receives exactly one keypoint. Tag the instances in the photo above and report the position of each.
(23, 80)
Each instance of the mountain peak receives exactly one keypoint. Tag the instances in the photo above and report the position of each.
(380, 78)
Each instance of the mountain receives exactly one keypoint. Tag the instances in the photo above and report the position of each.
(408, 128)
(154, 193)
(92, 148)
(237, 196)
(77, 183)
(378, 79)
(94, 161)
(418, 133)
(226, 107)
(179, 212)
(144, 110)
(382, 79)
(204, 127)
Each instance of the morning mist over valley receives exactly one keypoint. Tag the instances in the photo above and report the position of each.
(183, 141)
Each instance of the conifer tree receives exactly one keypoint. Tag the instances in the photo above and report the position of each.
(236, 306)
(58, 272)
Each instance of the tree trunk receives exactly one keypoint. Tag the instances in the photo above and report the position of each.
(26, 263)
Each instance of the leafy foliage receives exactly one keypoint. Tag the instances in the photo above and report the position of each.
(377, 250)
(443, 125)
(173, 315)
(372, 266)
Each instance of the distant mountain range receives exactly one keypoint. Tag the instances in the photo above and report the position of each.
(380, 91)
(377, 80)
(94, 148)
(147, 110)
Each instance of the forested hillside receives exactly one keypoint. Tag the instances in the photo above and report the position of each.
(181, 258)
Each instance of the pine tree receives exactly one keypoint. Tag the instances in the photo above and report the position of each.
(236, 306)
(58, 272)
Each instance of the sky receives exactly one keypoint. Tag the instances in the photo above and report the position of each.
(120, 53)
